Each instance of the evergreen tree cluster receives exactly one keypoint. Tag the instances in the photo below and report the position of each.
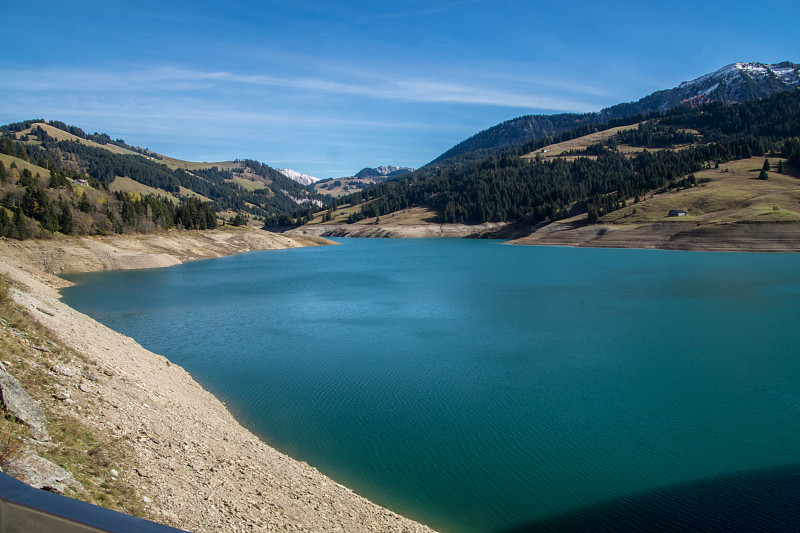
(32, 206)
(655, 134)
(70, 159)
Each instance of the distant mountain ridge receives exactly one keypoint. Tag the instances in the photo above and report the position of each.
(383, 171)
(737, 82)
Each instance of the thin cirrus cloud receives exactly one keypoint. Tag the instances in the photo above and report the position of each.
(407, 90)
(170, 80)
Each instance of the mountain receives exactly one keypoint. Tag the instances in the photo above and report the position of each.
(383, 171)
(596, 170)
(303, 179)
(738, 82)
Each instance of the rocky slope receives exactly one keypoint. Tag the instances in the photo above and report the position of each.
(189, 462)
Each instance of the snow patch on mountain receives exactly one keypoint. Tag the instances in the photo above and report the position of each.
(303, 179)
(301, 201)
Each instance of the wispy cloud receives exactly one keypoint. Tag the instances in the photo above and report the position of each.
(432, 10)
(166, 79)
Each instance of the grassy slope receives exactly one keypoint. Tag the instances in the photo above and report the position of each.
(348, 186)
(64, 136)
(250, 185)
(128, 185)
(8, 159)
(581, 143)
(192, 165)
(733, 194)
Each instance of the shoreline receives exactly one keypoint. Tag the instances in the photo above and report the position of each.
(782, 237)
(750, 237)
(191, 463)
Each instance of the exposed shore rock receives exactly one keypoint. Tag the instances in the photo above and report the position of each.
(395, 231)
(193, 465)
(17, 402)
(742, 237)
(40, 473)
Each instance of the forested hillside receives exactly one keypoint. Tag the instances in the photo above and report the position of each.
(61, 182)
(509, 187)
(739, 82)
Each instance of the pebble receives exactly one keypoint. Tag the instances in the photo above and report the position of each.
(64, 370)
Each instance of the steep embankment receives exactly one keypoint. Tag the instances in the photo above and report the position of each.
(187, 461)
(693, 236)
(395, 231)
(124, 252)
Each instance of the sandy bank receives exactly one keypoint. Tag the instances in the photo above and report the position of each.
(395, 231)
(674, 235)
(192, 464)
(125, 252)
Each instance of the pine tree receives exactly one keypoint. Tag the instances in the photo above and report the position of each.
(20, 225)
(65, 220)
(5, 223)
(766, 167)
(7, 145)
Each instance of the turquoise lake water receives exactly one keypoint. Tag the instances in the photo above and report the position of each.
(482, 387)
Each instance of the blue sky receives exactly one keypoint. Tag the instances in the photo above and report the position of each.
(327, 88)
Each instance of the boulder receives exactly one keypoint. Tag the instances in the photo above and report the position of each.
(17, 402)
(40, 473)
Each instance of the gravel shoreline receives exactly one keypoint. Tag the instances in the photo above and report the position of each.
(192, 464)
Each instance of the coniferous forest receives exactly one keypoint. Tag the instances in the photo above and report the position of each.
(505, 187)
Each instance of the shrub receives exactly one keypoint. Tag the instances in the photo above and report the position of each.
(11, 443)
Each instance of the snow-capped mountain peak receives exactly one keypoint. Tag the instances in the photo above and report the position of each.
(304, 179)
(739, 82)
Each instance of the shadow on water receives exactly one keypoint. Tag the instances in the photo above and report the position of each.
(763, 500)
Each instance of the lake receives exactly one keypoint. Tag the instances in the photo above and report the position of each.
(481, 387)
